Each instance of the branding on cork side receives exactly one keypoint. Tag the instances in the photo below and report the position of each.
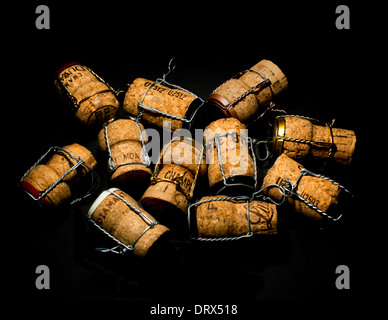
(170, 92)
(309, 198)
(70, 74)
(185, 182)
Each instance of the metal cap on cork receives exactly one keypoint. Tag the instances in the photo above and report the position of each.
(279, 134)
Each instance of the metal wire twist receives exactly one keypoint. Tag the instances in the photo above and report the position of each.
(164, 114)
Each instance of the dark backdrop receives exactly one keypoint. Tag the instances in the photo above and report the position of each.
(329, 74)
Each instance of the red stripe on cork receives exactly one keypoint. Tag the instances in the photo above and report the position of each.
(67, 65)
(33, 191)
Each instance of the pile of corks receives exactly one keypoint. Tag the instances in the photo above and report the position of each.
(240, 205)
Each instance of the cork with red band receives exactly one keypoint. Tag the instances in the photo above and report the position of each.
(43, 176)
(67, 65)
(92, 99)
(244, 95)
(223, 104)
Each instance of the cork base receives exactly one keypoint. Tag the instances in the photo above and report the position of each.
(130, 173)
(162, 196)
(127, 153)
(166, 213)
(230, 91)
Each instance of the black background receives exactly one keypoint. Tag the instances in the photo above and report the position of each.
(330, 74)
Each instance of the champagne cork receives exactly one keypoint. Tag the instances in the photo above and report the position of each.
(318, 191)
(278, 81)
(236, 160)
(125, 138)
(113, 215)
(299, 136)
(226, 218)
(243, 97)
(230, 92)
(42, 177)
(174, 102)
(182, 162)
(93, 99)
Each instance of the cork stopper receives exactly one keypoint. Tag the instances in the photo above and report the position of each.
(127, 153)
(319, 192)
(299, 137)
(93, 100)
(182, 163)
(229, 92)
(61, 162)
(244, 95)
(42, 177)
(278, 81)
(174, 102)
(235, 157)
(169, 194)
(229, 218)
(123, 222)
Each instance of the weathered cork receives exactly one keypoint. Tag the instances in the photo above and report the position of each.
(230, 91)
(303, 137)
(317, 191)
(175, 180)
(235, 99)
(225, 218)
(234, 151)
(175, 102)
(126, 149)
(97, 102)
(40, 178)
(122, 222)
(160, 196)
(278, 81)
